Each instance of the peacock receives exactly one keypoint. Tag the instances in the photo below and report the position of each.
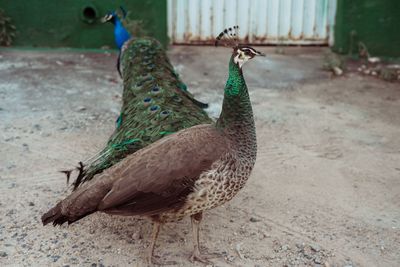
(121, 35)
(182, 174)
(155, 103)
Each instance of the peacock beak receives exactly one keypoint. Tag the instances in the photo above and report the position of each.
(104, 19)
(108, 17)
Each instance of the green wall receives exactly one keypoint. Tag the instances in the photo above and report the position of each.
(376, 23)
(57, 23)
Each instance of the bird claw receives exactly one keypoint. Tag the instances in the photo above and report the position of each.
(157, 261)
(197, 256)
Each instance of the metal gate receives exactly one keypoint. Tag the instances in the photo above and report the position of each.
(303, 22)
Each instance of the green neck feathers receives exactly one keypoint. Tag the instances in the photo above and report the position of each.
(236, 107)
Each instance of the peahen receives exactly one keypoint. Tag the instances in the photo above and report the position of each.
(183, 174)
(155, 103)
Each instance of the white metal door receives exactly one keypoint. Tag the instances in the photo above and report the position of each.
(260, 21)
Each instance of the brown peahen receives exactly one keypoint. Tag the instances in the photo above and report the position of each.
(183, 174)
(155, 103)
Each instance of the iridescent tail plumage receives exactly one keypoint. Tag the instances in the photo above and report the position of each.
(155, 103)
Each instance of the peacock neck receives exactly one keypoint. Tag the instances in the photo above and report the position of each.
(117, 23)
(236, 118)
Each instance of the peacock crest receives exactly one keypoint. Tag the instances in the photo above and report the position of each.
(228, 37)
(242, 53)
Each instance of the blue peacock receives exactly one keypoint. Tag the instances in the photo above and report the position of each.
(121, 35)
(155, 103)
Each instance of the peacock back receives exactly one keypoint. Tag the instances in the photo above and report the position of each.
(155, 103)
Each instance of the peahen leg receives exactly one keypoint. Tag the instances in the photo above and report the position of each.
(196, 255)
(151, 260)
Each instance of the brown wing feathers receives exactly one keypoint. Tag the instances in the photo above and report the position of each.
(152, 180)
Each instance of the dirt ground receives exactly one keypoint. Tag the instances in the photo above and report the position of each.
(325, 190)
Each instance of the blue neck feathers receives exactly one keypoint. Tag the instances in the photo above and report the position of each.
(121, 35)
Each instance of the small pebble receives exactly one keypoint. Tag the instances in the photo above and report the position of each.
(338, 71)
(37, 127)
(374, 59)
(315, 247)
(252, 219)
(3, 254)
(230, 258)
(55, 257)
(317, 260)
(285, 247)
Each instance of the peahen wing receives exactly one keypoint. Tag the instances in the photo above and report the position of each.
(155, 179)
(160, 176)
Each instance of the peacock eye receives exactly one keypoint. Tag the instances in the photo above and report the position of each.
(177, 98)
(155, 90)
(164, 113)
(154, 108)
(147, 101)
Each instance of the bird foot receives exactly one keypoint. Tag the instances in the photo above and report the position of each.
(203, 258)
(155, 261)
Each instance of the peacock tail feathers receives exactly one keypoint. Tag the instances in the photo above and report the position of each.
(155, 103)
(133, 26)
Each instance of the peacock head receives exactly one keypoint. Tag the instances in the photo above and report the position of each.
(109, 17)
(113, 16)
(241, 53)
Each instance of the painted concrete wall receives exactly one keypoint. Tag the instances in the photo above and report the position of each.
(376, 23)
(75, 23)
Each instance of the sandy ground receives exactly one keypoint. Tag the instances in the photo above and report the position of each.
(325, 190)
